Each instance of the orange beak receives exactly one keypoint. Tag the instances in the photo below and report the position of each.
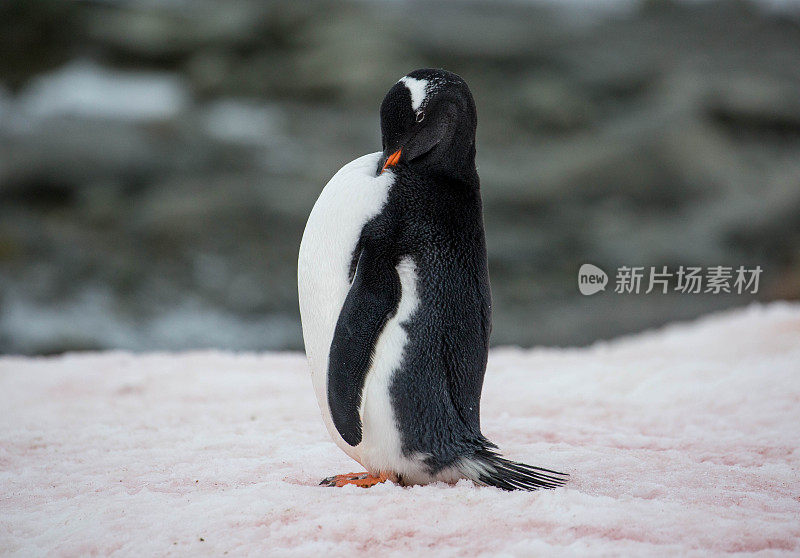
(392, 160)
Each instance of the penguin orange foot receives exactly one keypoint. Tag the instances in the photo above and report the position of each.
(364, 480)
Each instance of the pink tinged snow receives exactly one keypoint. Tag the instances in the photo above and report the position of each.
(680, 441)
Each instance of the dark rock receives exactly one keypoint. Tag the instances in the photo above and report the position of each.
(158, 162)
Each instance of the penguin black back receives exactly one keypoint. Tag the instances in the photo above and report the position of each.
(437, 197)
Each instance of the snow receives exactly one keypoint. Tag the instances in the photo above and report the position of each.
(83, 88)
(682, 441)
(91, 318)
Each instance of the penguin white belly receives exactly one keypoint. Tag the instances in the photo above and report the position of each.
(380, 449)
(352, 197)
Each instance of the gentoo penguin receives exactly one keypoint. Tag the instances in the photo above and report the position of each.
(395, 303)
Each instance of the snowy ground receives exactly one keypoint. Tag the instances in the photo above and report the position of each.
(682, 441)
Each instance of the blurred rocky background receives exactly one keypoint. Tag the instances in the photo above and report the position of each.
(158, 159)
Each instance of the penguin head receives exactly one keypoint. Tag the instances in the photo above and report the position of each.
(428, 122)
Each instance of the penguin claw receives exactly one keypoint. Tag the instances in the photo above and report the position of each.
(364, 480)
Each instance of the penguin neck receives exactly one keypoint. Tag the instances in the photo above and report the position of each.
(463, 180)
(458, 169)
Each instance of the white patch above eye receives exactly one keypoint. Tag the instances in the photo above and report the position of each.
(418, 89)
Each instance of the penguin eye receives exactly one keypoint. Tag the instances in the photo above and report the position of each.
(420, 116)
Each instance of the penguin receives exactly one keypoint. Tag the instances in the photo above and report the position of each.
(395, 302)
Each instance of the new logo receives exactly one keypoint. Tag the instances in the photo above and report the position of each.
(591, 279)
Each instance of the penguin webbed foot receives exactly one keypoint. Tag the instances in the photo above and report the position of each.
(363, 479)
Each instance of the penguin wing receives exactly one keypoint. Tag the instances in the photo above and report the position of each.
(372, 300)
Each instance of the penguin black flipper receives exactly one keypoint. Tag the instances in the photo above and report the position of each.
(372, 300)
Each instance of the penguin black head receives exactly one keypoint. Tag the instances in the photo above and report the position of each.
(428, 122)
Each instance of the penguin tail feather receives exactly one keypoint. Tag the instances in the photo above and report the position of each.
(494, 470)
